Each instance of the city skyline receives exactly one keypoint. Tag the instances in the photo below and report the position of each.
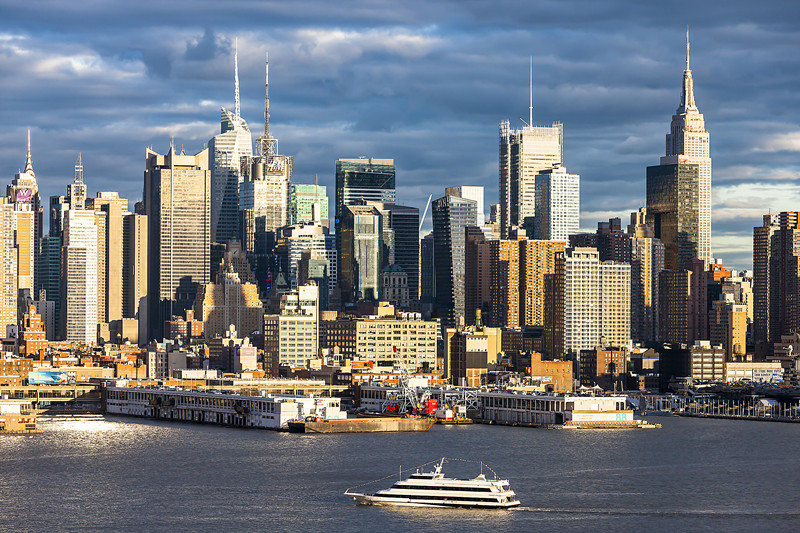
(429, 92)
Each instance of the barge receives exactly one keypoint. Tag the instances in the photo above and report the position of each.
(362, 425)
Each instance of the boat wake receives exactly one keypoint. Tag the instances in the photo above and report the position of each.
(755, 513)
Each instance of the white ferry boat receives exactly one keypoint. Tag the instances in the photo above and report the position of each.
(433, 489)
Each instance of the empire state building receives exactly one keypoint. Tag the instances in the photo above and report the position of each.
(679, 189)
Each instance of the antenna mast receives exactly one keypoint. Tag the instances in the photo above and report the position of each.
(687, 47)
(269, 146)
(530, 107)
(236, 108)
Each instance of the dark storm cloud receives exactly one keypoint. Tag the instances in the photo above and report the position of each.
(424, 82)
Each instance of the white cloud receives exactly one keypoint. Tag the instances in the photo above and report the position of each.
(781, 142)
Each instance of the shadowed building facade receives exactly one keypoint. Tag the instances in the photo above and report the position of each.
(177, 202)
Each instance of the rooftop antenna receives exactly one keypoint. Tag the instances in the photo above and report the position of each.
(236, 108)
(78, 177)
(269, 146)
(266, 100)
(530, 108)
(687, 47)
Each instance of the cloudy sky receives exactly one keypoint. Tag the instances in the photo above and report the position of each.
(424, 82)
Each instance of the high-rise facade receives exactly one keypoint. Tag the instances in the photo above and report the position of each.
(229, 302)
(675, 306)
(226, 153)
(586, 301)
(688, 143)
(558, 204)
(400, 225)
(451, 216)
(673, 210)
(360, 253)
(302, 237)
(647, 261)
(523, 154)
(80, 276)
(504, 283)
(177, 202)
(303, 197)
(728, 326)
(23, 193)
(612, 243)
(536, 260)
(292, 337)
(470, 192)
(8, 266)
(762, 253)
(427, 273)
(367, 179)
(134, 271)
(776, 262)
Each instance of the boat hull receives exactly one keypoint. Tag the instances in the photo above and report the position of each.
(368, 499)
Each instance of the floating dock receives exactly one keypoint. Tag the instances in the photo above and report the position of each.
(363, 425)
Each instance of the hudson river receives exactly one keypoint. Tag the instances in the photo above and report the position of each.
(127, 474)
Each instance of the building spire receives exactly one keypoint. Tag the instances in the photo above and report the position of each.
(530, 107)
(28, 164)
(236, 109)
(687, 93)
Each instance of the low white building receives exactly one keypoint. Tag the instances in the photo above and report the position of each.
(266, 412)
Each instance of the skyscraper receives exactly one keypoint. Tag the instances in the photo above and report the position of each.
(264, 193)
(536, 261)
(360, 257)
(227, 152)
(523, 154)
(762, 252)
(776, 262)
(558, 204)
(688, 143)
(302, 197)
(470, 192)
(586, 300)
(24, 194)
(293, 240)
(427, 273)
(403, 223)
(177, 202)
(451, 216)
(365, 179)
(8, 266)
(647, 261)
(80, 276)
(227, 302)
(673, 209)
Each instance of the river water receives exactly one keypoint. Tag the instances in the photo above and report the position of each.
(127, 474)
